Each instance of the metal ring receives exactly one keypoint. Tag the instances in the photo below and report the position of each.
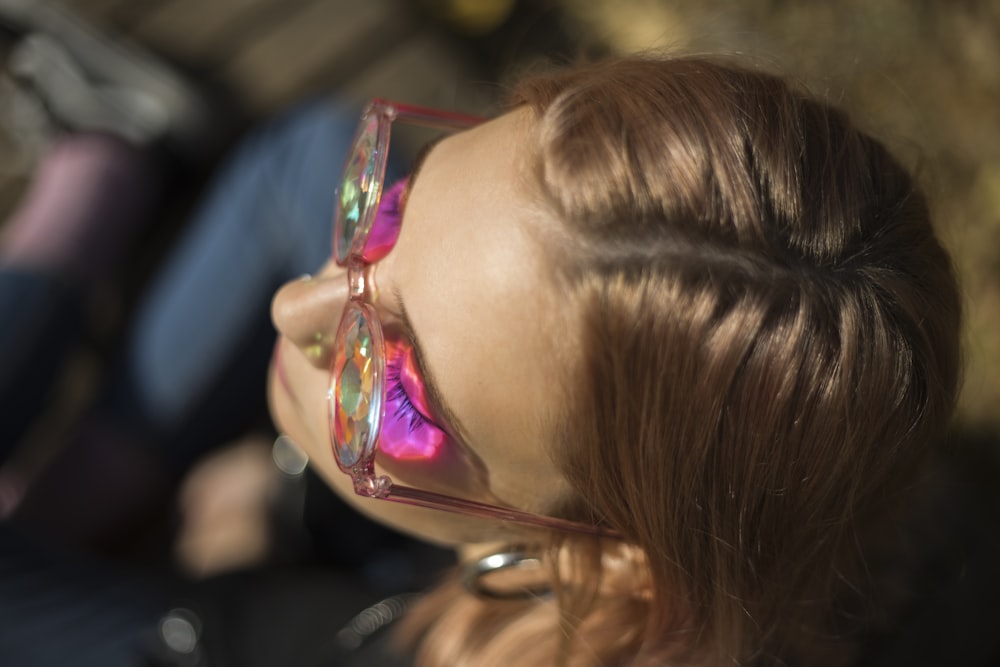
(474, 573)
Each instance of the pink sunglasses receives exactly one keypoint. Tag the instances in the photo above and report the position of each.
(357, 391)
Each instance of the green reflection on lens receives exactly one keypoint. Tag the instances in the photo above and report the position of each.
(350, 388)
(356, 189)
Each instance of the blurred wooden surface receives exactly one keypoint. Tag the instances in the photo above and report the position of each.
(271, 53)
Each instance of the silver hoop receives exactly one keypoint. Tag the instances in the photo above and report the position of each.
(475, 576)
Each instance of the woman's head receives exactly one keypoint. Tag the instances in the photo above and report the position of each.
(686, 299)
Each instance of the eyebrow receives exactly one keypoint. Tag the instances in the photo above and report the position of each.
(438, 405)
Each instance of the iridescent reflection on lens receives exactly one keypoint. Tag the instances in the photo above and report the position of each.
(357, 391)
(358, 190)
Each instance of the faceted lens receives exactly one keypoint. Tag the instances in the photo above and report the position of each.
(358, 189)
(357, 391)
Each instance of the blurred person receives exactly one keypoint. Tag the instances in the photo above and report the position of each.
(89, 197)
(190, 371)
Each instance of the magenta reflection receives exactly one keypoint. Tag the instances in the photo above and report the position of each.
(408, 433)
(385, 224)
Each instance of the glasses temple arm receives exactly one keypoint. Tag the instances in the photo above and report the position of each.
(419, 498)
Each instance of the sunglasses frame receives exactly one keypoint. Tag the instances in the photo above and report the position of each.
(361, 468)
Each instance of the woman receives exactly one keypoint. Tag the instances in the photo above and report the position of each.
(678, 305)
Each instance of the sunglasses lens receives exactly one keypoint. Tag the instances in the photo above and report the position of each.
(358, 190)
(356, 375)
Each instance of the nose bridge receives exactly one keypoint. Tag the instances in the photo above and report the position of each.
(308, 311)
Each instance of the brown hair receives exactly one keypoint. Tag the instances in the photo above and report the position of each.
(770, 335)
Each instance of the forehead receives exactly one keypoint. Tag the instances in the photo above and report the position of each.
(471, 266)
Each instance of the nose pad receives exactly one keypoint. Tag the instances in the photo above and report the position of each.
(308, 311)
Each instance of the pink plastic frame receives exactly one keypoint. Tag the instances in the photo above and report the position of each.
(367, 482)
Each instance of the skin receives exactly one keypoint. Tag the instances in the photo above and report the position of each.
(469, 268)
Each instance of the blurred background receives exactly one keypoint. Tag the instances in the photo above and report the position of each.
(925, 76)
